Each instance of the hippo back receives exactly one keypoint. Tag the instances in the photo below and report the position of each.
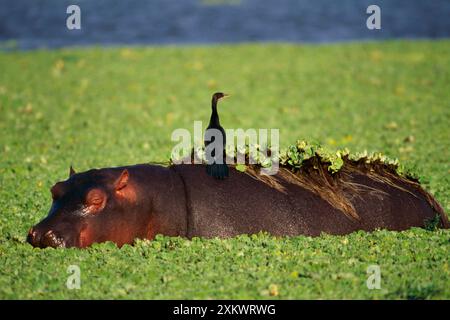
(242, 204)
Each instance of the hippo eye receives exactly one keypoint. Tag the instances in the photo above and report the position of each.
(95, 200)
(95, 197)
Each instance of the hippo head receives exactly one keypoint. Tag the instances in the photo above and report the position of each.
(88, 207)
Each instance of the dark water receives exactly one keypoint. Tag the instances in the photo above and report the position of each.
(30, 24)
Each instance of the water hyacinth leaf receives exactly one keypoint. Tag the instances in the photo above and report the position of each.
(336, 165)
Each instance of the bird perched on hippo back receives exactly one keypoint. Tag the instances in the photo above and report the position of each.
(215, 141)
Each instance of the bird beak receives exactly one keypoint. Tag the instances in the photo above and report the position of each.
(225, 95)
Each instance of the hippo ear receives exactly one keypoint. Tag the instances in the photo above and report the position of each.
(122, 181)
(71, 171)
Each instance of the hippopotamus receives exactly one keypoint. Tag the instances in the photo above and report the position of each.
(122, 204)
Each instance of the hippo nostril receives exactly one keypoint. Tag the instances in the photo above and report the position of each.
(32, 237)
(50, 239)
(49, 234)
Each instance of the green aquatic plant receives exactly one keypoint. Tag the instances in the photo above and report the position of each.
(297, 155)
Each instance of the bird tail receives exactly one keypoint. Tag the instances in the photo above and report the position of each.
(217, 170)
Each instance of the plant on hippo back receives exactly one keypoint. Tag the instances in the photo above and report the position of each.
(297, 155)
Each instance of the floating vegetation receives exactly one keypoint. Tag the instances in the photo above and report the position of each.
(328, 174)
(299, 155)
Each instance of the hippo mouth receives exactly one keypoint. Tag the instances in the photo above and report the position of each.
(48, 239)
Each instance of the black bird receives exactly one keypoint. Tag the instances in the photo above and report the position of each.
(217, 170)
